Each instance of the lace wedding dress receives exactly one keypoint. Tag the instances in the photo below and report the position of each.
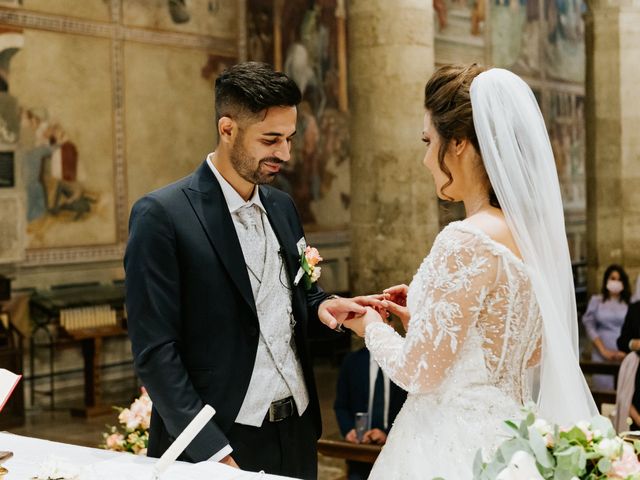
(474, 332)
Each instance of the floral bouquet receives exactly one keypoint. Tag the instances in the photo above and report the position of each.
(540, 451)
(132, 435)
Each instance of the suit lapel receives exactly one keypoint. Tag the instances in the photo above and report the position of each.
(207, 200)
(283, 233)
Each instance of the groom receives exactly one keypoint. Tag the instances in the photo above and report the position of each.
(213, 312)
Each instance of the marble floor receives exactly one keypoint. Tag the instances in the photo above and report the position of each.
(58, 425)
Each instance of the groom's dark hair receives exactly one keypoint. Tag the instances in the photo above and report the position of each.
(246, 89)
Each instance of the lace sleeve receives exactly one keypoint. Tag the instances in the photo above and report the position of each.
(445, 300)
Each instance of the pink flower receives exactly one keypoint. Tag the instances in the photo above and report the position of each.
(129, 419)
(141, 409)
(548, 439)
(625, 466)
(312, 255)
(115, 441)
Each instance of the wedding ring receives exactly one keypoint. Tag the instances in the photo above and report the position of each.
(339, 328)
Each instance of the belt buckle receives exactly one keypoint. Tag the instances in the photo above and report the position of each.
(277, 406)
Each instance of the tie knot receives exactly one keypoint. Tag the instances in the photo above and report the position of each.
(249, 215)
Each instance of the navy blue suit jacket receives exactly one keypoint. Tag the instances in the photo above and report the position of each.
(352, 393)
(191, 314)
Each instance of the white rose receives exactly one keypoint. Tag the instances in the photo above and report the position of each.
(522, 466)
(610, 448)
(584, 426)
(542, 427)
(315, 274)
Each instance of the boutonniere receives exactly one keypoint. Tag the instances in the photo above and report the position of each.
(309, 270)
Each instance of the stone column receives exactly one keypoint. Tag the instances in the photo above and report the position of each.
(613, 137)
(394, 210)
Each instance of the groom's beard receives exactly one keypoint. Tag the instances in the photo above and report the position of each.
(249, 169)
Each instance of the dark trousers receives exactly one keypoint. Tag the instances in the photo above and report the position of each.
(358, 470)
(287, 448)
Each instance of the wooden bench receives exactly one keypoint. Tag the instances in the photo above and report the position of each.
(349, 451)
(590, 367)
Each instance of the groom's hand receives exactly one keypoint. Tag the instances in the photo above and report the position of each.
(352, 436)
(228, 460)
(334, 311)
(375, 436)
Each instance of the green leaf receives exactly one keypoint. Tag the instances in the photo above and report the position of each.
(510, 447)
(478, 463)
(512, 425)
(304, 264)
(494, 469)
(539, 447)
(604, 465)
(575, 435)
(523, 431)
(571, 460)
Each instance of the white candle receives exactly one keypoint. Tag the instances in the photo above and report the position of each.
(183, 440)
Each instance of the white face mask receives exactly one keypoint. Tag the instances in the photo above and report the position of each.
(615, 286)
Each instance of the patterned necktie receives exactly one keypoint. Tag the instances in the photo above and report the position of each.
(253, 239)
(377, 413)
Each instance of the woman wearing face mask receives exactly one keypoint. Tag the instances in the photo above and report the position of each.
(604, 318)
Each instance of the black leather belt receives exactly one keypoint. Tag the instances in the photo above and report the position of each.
(281, 409)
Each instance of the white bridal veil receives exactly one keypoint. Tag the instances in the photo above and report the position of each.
(517, 156)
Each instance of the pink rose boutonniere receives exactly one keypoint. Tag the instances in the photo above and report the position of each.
(309, 270)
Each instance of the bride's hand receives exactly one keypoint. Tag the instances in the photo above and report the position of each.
(359, 324)
(399, 311)
(397, 294)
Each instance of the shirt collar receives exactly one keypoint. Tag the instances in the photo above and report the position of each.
(231, 196)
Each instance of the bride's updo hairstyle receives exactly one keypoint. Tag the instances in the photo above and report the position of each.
(448, 101)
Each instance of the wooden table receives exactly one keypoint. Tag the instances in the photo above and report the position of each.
(91, 339)
(46, 307)
(357, 452)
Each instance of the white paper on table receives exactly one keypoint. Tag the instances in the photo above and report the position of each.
(131, 467)
(8, 382)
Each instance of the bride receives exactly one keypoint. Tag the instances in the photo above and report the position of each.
(494, 298)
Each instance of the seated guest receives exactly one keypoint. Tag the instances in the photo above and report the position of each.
(363, 387)
(604, 318)
(629, 378)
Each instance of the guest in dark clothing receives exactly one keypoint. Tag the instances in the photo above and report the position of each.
(363, 387)
(629, 341)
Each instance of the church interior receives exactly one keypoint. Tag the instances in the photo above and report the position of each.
(141, 74)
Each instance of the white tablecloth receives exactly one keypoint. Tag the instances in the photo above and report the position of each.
(29, 454)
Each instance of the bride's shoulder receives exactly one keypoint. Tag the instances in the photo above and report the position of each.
(460, 235)
(489, 229)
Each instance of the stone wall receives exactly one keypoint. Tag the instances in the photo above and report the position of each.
(394, 212)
